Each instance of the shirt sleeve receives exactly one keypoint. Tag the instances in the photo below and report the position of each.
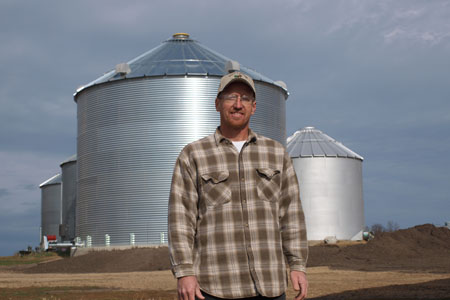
(182, 217)
(292, 219)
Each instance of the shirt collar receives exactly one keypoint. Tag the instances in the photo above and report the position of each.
(252, 137)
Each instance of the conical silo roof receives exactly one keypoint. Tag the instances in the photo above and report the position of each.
(69, 159)
(311, 142)
(179, 55)
(53, 180)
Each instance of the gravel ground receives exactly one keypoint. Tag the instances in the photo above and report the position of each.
(325, 283)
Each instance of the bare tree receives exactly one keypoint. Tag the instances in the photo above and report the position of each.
(377, 228)
(392, 226)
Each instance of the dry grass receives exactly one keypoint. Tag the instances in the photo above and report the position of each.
(32, 258)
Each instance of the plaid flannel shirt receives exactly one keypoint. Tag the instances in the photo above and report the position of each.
(235, 219)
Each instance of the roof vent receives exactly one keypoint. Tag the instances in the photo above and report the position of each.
(232, 66)
(123, 69)
(180, 36)
(282, 84)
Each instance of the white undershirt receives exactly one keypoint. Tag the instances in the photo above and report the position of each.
(239, 145)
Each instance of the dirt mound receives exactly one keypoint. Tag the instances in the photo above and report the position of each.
(420, 248)
(431, 290)
(130, 260)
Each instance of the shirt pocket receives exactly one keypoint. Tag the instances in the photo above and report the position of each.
(215, 188)
(268, 184)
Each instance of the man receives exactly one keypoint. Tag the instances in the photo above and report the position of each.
(235, 216)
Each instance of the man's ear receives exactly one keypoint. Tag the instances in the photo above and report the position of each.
(217, 104)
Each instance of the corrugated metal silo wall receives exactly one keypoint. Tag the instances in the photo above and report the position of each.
(332, 196)
(69, 196)
(51, 209)
(130, 133)
(270, 116)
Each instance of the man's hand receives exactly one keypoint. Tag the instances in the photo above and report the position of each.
(300, 283)
(188, 288)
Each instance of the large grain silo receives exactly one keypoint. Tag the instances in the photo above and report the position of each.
(330, 179)
(51, 206)
(69, 196)
(132, 124)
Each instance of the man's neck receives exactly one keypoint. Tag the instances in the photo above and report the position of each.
(235, 135)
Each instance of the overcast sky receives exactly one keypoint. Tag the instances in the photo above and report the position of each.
(374, 75)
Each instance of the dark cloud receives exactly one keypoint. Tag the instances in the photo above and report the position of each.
(3, 192)
(22, 230)
(30, 187)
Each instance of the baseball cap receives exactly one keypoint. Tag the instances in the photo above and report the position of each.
(235, 77)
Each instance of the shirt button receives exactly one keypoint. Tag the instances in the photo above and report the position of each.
(244, 201)
(242, 179)
(246, 225)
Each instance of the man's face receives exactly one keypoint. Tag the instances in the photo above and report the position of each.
(236, 105)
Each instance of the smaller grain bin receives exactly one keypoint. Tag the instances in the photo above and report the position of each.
(330, 179)
(69, 197)
(51, 206)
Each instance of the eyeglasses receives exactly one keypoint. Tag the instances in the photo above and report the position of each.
(234, 97)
